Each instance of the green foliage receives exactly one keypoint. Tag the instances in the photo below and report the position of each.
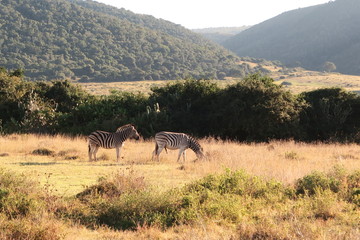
(91, 41)
(256, 109)
(317, 180)
(35, 106)
(338, 181)
(186, 102)
(213, 197)
(24, 212)
(331, 113)
(255, 206)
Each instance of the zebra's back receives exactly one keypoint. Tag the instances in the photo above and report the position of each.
(103, 139)
(172, 139)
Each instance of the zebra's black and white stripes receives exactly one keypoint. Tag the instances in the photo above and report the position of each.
(181, 141)
(111, 140)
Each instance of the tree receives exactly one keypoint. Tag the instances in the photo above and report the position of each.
(331, 112)
(256, 109)
(329, 67)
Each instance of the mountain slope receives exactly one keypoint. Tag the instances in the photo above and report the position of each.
(88, 40)
(307, 37)
(219, 34)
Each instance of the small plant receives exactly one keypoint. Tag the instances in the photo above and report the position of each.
(325, 204)
(43, 152)
(291, 155)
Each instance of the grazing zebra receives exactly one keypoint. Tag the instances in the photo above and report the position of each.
(111, 140)
(172, 140)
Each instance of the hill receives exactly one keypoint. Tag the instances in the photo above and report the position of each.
(220, 34)
(90, 41)
(307, 37)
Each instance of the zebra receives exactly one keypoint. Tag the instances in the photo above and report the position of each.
(173, 140)
(111, 140)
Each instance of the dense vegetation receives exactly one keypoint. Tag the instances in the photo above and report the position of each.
(310, 37)
(255, 109)
(255, 207)
(90, 41)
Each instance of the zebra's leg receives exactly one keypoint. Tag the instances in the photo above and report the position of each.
(92, 149)
(90, 152)
(118, 151)
(95, 149)
(158, 151)
(184, 156)
(180, 152)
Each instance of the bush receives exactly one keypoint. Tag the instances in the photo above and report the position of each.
(24, 210)
(346, 186)
(332, 114)
(256, 109)
(315, 181)
(213, 197)
(43, 151)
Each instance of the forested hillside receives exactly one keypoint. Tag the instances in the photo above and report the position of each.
(307, 37)
(94, 42)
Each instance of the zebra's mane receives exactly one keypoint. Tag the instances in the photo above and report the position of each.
(122, 128)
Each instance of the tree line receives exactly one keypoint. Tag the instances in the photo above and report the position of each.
(254, 109)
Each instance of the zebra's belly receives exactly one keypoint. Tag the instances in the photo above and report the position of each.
(172, 147)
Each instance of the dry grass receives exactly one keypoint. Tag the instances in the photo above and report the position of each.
(67, 171)
(303, 81)
(138, 86)
(299, 80)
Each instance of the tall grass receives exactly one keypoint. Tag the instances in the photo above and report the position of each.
(277, 190)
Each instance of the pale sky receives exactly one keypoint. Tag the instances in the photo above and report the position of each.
(212, 13)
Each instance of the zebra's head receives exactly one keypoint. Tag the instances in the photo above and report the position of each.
(134, 134)
(196, 147)
(200, 153)
(129, 131)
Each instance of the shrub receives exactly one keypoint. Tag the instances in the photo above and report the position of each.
(43, 151)
(24, 212)
(353, 182)
(346, 186)
(316, 180)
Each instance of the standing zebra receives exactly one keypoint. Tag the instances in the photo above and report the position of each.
(172, 140)
(111, 140)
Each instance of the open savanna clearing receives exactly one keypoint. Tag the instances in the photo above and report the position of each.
(297, 81)
(305, 81)
(60, 166)
(67, 169)
(138, 86)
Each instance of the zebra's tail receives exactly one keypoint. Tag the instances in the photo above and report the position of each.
(156, 148)
(89, 152)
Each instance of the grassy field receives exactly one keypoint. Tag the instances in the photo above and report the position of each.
(298, 80)
(66, 171)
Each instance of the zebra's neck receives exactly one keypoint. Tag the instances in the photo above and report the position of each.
(124, 133)
(194, 145)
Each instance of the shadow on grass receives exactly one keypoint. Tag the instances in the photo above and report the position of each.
(37, 163)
